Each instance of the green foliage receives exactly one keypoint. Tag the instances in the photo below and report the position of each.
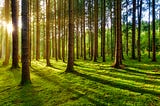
(91, 84)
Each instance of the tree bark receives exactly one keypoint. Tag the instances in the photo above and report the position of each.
(153, 32)
(7, 43)
(14, 5)
(133, 29)
(37, 31)
(96, 30)
(70, 62)
(118, 59)
(48, 33)
(25, 57)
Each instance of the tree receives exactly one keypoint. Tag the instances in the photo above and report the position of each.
(133, 28)
(149, 30)
(7, 49)
(103, 28)
(84, 33)
(153, 32)
(25, 57)
(48, 32)
(71, 39)
(59, 29)
(139, 30)
(95, 30)
(127, 3)
(14, 5)
(37, 31)
(118, 59)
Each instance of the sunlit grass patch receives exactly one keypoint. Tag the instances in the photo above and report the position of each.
(92, 83)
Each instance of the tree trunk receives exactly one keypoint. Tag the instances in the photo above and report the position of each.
(63, 35)
(59, 29)
(118, 59)
(84, 34)
(37, 31)
(25, 57)
(153, 32)
(103, 29)
(139, 30)
(7, 49)
(48, 32)
(149, 31)
(71, 39)
(127, 28)
(14, 5)
(96, 30)
(55, 22)
(133, 29)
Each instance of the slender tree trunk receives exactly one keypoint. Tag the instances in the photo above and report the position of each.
(103, 29)
(63, 35)
(139, 30)
(55, 24)
(7, 49)
(30, 32)
(89, 26)
(71, 39)
(48, 32)
(127, 29)
(112, 46)
(53, 39)
(14, 5)
(77, 31)
(84, 34)
(149, 31)
(1, 29)
(33, 35)
(37, 31)
(59, 29)
(133, 29)
(25, 50)
(153, 31)
(96, 30)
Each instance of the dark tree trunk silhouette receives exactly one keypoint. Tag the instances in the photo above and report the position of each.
(48, 32)
(37, 31)
(133, 29)
(25, 57)
(84, 34)
(103, 29)
(95, 30)
(14, 5)
(153, 32)
(149, 31)
(139, 30)
(127, 28)
(118, 59)
(71, 39)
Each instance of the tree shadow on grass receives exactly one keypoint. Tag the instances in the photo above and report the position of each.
(27, 96)
(68, 86)
(117, 84)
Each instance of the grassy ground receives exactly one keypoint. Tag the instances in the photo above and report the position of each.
(91, 84)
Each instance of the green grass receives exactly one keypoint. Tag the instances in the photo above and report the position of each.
(92, 84)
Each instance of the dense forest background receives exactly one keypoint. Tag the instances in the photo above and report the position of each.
(80, 52)
(78, 29)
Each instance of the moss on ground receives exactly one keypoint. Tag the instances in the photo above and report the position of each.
(91, 84)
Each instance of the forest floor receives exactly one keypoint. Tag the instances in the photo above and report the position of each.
(138, 84)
